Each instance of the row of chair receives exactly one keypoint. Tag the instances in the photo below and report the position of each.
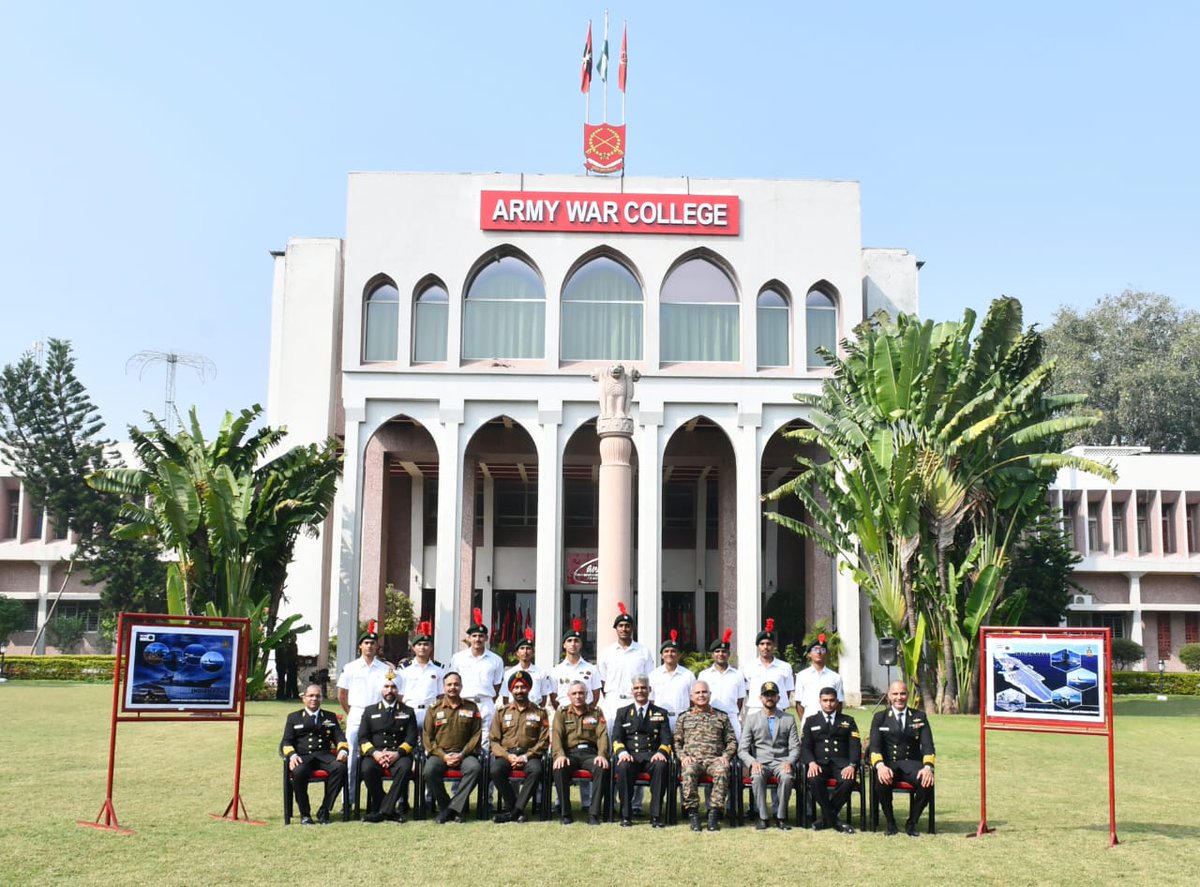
(740, 783)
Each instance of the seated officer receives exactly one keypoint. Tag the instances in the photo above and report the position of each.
(641, 741)
(902, 748)
(387, 737)
(313, 740)
(520, 735)
(580, 742)
(453, 735)
(830, 749)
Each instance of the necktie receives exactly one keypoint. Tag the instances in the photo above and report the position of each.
(830, 719)
(641, 713)
(900, 718)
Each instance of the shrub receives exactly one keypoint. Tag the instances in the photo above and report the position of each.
(1189, 655)
(60, 668)
(66, 632)
(1126, 653)
(1174, 683)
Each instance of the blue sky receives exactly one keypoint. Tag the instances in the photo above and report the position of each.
(153, 153)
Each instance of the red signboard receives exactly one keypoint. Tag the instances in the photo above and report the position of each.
(586, 213)
(583, 568)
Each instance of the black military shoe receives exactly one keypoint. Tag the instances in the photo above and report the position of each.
(322, 817)
(694, 822)
(782, 825)
(626, 822)
(761, 825)
(502, 818)
(891, 827)
(399, 817)
(819, 825)
(714, 821)
(374, 817)
(655, 822)
(844, 827)
(567, 820)
(444, 817)
(518, 817)
(306, 820)
(593, 820)
(910, 829)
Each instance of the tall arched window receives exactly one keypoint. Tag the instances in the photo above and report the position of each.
(431, 312)
(504, 314)
(381, 321)
(602, 313)
(699, 318)
(773, 328)
(820, 315)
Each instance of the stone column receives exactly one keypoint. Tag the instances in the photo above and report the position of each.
(615, 429)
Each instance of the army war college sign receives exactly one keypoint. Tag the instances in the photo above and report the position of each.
(588, 213)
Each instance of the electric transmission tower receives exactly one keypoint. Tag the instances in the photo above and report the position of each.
(173, 359)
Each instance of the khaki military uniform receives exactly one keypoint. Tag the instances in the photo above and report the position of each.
(706, 736)
(450, 729)
(581, 738)
(518, 731)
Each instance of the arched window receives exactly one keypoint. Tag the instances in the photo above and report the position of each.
(381, 321)
(431, 312)
(602, 312)
(773, 328)
(820, 315)
(699, 318)
(504, 314)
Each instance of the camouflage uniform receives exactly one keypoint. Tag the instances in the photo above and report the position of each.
(705, 735)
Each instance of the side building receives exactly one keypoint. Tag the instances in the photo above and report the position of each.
(450, 340)
(1140, 543)
(34, 552)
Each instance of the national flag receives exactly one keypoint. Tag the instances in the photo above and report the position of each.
(623, 67)
(585, 82)
(602, 65)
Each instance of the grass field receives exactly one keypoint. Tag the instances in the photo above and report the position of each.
(1047, 797)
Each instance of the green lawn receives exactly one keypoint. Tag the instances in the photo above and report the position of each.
(1047, 798)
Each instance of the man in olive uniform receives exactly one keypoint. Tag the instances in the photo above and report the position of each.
(641, 740)
(387, 737)
(453, 735)
(313, 740)
(706, 745)
(520, 736)
(580, 742)
(830, 748)
(902, 749)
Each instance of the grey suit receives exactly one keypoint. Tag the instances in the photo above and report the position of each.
(758, 746)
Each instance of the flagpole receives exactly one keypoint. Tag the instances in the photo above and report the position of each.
(605, 78)
(622, 61)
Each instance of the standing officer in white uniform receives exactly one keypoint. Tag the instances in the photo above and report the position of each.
(360, 686)
(728, 684)
(482, 673)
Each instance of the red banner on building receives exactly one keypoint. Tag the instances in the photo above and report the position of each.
(604, 147)
(583, 568)
(569, 211)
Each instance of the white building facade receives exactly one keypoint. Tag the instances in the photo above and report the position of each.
(450, 340)
(1140, 543)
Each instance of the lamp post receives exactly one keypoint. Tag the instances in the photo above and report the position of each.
(1162, 669)
(3, 654)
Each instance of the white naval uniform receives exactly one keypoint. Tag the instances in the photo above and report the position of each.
(810, 683)
(539, 693)
(618, 665)
(728, 687)
(565, 674)
(672, 690)
(480, 675)
(363, 684)
(757, 674)
(420, 685)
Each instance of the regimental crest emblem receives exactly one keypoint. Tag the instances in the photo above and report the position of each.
(604, 147)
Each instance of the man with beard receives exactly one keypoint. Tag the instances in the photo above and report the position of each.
(387, 737)
(830, 749)
(770, 747)
(520, 736)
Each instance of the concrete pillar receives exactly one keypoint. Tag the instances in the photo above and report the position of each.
(547, 619)
(615, 430)
(446, 626)
(650, 446)
(749, 515)
(350, 544)
(374, 531)
(1137, 629)
(43, 604)
(416, 544)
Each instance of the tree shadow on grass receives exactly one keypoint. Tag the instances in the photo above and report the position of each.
(1148, 706)
(1151, 829)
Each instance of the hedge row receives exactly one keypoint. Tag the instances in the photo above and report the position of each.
(60, 668)
(1174, 683)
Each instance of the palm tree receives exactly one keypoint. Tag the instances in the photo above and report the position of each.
(965, 431)
(228, 514)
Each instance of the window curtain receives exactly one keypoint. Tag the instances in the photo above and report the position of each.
(773, 336)
(602, 313)
(699, 332)
(429, 331)
(507, 329)
(821, 332)
(383, 330)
